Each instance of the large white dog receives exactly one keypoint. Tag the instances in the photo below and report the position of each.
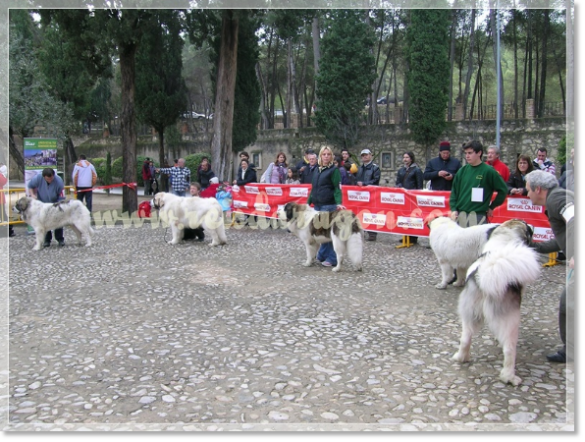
(456, 248)
(493, 291)
(43, 217)
(314, 228)
(181, 212)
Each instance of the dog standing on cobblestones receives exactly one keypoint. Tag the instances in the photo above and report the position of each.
(455, 247)
(314, 228)
(493, 291)
(43, 217)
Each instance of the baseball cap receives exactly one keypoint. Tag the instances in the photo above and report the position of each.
(366, 151)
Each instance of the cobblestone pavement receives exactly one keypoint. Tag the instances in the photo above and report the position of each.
(136, 334)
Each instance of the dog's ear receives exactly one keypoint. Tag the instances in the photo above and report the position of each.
(490, 231)
(289, 210)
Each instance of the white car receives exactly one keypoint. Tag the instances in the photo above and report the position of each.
(193, 115)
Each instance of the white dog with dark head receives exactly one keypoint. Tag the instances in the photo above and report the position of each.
(455, 247)
(180, 212)
(494, 289)
(314, 228)
(43, 217)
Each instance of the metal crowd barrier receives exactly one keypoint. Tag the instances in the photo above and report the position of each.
(11, 196)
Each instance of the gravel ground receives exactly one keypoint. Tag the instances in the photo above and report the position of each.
(136, 334)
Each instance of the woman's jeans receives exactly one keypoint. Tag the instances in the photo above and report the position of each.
(326, 252)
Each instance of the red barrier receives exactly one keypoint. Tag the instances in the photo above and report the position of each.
(384, 209)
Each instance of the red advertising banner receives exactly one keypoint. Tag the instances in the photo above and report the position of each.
(384, 209)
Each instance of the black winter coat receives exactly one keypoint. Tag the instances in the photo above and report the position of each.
(411, 178)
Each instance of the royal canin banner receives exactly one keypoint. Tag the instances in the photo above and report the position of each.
(384, 209)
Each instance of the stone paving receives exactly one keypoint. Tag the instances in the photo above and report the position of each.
(136, 334)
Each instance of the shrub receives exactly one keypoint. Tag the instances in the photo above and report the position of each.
(193, 162)
(100, 167)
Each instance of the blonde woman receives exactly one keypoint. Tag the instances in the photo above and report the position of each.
(326, 197)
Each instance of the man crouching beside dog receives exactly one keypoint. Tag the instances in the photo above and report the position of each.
(48, 188)
(543, 190)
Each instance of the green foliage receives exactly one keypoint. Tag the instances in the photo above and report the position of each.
(193, 161)
(247, 93)
(100, 166)
(117, 168)
(428, 74)
(108, 172)
(346, 74)
(565, 146)
(160, 90)
(31, 102)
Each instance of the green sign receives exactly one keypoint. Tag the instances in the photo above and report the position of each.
(40, 153)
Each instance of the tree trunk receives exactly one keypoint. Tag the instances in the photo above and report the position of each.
(15, 153)
(515, 38)
(469, 64)
(223, 119)
(494, 28)
(70, 159)
(452, 61)
(128, 126)
(263, 97)
(529, 49)
(316, 44)
(544, 63)
(161, 147)
(570, 65)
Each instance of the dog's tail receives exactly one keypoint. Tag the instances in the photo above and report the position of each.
(513, 265)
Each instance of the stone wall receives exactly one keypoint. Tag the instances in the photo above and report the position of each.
(388, 142)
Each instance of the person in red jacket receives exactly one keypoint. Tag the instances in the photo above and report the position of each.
(493, 160)
(3, 182)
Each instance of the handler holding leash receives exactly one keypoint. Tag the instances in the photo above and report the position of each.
(543, 190)
(48, 188)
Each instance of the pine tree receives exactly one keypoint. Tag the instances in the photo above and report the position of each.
(346, 74)
(428, 76)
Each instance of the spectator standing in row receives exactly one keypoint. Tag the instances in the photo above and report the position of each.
(3, 182)
(494, 161)
(542, 162)
(543, 190)
(567, 179)
(326, 197)
(368, 175)
(346, 159)
(568, 162)
(84, 178)
(48, 187)
(204, 173)
(306, 172)
(473, 186)
(517, 181)
(410, 177)
(179, 175)
(147, 177)
(246, 174)
(292, 176)
(304, 162)
(276, 172)
(441, 170)
(342, 170)
(246, 156)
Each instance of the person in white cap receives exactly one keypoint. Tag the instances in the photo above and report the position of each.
(368, 175)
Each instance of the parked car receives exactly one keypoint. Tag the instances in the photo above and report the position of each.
(193, 115)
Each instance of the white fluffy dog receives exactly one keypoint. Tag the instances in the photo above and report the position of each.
(314, 228)
(494, 289)
(43, 217)
(181, 212)
(455, 247)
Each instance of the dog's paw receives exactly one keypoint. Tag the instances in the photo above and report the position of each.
(459, 283)
(36, 248)
(510, 378)
(308, 263)
(460, 357)
(336, 269)
(441, 286)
